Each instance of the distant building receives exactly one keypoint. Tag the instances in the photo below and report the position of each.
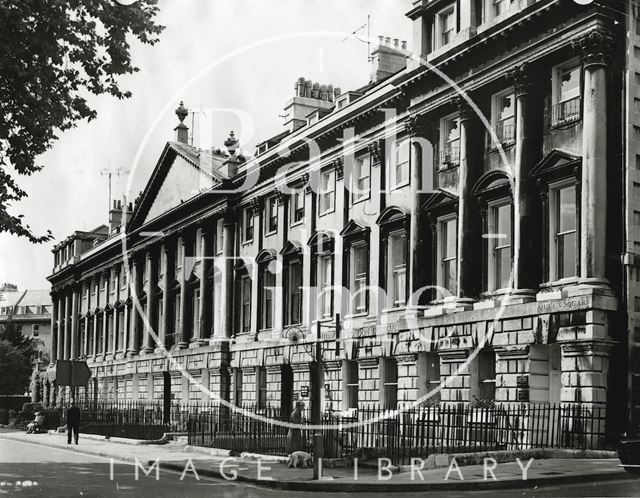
(30, 312)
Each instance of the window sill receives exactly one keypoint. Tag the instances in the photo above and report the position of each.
(497, 147)
(297, 223)
(399, 186)
(565, 123)
(360, 200)
(362, 314)
(448, 166)
(269, 234)
(247, 242)
(324, 213)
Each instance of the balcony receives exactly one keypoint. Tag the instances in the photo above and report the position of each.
(505, 135)
(564, 113)
(450, 156)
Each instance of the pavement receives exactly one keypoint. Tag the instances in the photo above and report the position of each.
(274, 474)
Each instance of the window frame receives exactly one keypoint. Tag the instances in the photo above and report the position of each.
(566, 118)
(442, 260)
(248, 225)
(389, 383)
(331, 191)
(244, 302)
(325, 262)
(296, 209)
(351, 384)
(361, 162)
(493, 209)
(295, 260)
(355, 278)
(271, 207)
(497, 121)
(450, 11)
(449, 154)
(263, 289)
(393, 269)
(405, 165)
(554, 212)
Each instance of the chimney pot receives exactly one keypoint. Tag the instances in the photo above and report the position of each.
(380, 40)
(387, 41)
(404, 45)
(395, 42)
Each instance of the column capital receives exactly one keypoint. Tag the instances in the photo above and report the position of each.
(418, 126)
(463, 107)
(595, 48)
(338, 165)
(522, 81)
(255, 205)
(376, 149)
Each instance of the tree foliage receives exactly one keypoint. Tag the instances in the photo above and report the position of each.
(53, 54)
(27, 346)
(15, 370)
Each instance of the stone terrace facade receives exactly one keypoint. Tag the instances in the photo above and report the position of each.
(465, 266)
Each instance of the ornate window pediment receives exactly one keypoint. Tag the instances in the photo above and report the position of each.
(556, 165)
(392, 215)
(355, 228)
(291, 247)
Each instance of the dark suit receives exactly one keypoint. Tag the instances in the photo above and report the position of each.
(73, 423)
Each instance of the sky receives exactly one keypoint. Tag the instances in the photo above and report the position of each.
(238, 58)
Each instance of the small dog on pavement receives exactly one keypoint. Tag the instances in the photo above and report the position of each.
(300, 457)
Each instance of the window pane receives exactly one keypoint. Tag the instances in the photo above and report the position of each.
(503, 225)
(567, 255)
(569, 83)
(451, 236)
(567, 209)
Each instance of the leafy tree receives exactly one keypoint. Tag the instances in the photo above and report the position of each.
(15, 369)
(28, 347)
(53, 53)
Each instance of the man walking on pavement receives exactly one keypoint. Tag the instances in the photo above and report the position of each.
(73, 422)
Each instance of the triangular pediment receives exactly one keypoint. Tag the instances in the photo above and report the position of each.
(354, 227)
(182, 173)
(439, 199)
(556, 159)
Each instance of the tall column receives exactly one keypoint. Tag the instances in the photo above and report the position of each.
(468, 213)
(421, 167)
(594, 48)
(201, 336)
(53, 356)
(133, 346)
(227, 286)
(526, 249)
(67, 324)
(166, 294)
(60, 344)
(95, 336)
(146, 341)
(183, 337)
(85, 342)
(74, 324)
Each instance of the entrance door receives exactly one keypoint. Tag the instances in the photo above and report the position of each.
(286, 400)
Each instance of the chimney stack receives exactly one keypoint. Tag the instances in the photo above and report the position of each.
(182, 131)
(119, 216)
(388, 58)
(308, 98)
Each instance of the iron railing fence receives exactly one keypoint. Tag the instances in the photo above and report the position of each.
(413, 433)
(416, 432)
(133, 419)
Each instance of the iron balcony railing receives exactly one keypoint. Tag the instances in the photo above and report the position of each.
(565, 112)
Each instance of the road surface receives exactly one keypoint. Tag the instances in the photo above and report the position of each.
(28, 469)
